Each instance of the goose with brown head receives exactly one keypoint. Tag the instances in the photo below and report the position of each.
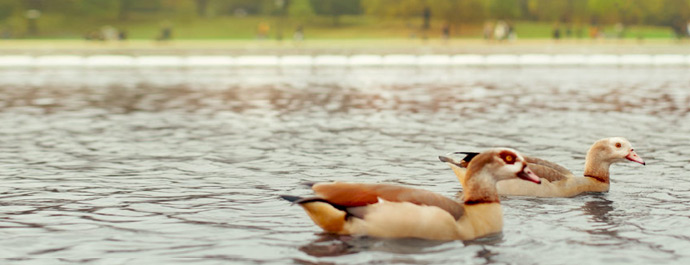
(559, 181)
(392, 211)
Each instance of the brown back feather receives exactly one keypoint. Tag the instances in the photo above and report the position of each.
(361, 194)
(546, 169)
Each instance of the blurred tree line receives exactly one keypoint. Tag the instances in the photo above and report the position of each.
(122, 9)
(671, 13)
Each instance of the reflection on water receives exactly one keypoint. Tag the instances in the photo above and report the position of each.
(328, 246)
(599, 210)
(165, 164)
(335, 245)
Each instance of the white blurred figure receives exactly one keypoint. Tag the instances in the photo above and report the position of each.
(501, 30)
(109, 33)
(512, 34)
(619, 28)
(298, 36)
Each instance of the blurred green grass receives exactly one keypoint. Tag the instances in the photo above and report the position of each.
(55, 26)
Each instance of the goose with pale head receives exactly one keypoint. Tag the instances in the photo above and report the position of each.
(558, 181)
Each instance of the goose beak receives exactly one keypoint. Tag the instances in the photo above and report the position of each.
(528, 175)
(632, 156)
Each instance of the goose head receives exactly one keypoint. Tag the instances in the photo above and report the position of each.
(614, 150)
(500, 163)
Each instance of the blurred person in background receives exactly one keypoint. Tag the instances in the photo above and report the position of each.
(298, 36)
(262, 30)
(445, 32)
(109, 33)
(594, 31)
(619, 30)
(501, 30)
(512, 34)
(556, 33)
(488, 30)
(166, 31)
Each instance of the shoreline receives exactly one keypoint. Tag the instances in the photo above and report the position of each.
(104, 61)
(343, 47)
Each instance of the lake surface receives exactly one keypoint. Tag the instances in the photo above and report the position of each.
(185, 165)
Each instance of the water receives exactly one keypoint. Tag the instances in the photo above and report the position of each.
(185, 165)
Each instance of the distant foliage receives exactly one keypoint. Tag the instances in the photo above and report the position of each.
(336, 8)
(301, 9)
(672, 13)
(650, 12)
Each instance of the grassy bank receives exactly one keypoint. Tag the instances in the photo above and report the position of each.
(342, 47)
(145, 27)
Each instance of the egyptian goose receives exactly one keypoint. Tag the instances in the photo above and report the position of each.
(560, 182)
(392, 211)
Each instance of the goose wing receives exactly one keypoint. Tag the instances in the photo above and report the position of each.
(361, 194)
(547, 169)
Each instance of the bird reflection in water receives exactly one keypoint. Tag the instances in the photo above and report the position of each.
(599, 209)
(330, 245)
(486, 254)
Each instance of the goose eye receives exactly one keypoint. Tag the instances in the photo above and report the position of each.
(507, 157)
(618, 145)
